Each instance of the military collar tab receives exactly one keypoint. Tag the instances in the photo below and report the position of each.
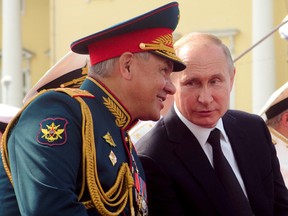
(122, 117)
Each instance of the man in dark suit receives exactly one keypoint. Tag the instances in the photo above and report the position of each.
(179, 162)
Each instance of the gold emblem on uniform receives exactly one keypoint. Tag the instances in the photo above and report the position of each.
(52, 132)
(108, 138)
(121, 118)
(112, 158)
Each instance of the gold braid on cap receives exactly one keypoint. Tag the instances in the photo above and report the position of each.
(162, 45)
(75, 83)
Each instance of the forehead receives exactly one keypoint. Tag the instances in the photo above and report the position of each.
(205, 56)
(202, 53)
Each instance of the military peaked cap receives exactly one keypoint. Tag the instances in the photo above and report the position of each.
(151, 32)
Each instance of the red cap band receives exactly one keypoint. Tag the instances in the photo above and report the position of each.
(113, 47)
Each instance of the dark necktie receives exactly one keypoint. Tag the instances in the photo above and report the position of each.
(226, 175)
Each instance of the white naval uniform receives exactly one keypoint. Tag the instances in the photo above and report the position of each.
(281, 145)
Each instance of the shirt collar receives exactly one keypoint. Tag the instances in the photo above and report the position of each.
(201, 133)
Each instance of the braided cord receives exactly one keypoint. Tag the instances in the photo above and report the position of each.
(3, 144)
(120, 192)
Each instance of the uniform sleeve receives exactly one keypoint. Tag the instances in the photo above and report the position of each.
(280, 190)
(45, 150)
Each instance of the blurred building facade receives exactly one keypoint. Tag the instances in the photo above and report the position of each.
(49, 26)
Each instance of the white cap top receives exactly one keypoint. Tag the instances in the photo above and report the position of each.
(273, 106)
(7, 112)
(69, 63)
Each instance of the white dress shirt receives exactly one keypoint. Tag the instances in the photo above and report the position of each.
(202, 135)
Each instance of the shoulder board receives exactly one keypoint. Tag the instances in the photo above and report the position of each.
(75, 92)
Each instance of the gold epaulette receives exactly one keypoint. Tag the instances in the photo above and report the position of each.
(75, 92)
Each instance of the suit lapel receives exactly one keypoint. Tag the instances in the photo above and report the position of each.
(190, 153)
(243, 152)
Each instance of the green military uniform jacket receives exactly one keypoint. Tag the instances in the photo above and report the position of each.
(64, 163)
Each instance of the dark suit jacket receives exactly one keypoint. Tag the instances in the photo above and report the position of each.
(181, 181)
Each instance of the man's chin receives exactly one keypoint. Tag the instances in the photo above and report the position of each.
(205, 123)
(152, 117)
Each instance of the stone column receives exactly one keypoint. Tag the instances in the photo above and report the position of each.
(263, 58)
(12, 77)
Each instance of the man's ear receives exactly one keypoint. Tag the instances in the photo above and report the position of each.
(125, 62)
(284, 118)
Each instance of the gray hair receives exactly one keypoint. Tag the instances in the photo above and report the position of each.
(182, 42)
(105, 68)
(273, 122)
(102, 69)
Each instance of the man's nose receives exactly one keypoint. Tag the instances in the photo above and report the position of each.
(170, 88)
(205, 95)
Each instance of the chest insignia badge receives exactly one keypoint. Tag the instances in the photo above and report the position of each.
(112, 158)
(108, 138)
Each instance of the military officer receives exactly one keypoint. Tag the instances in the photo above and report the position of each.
(275, 114)
(68, 152)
